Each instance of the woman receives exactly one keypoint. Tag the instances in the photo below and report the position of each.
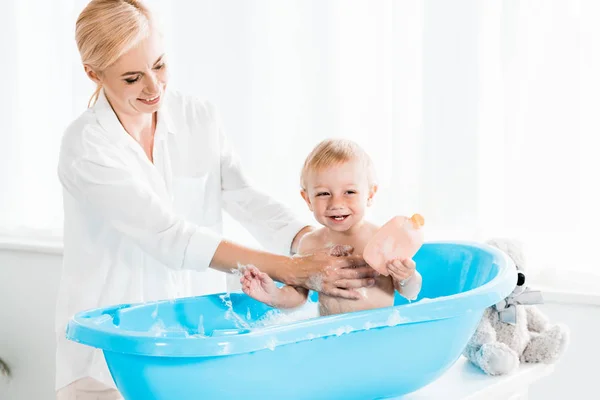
(146, 173)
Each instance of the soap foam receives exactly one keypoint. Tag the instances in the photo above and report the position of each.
(395, 318)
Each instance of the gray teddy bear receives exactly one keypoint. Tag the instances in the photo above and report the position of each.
(515, 330)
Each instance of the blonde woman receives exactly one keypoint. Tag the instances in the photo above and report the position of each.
(146, 172)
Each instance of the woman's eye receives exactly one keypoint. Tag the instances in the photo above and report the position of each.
(129, 81)
(159, 66)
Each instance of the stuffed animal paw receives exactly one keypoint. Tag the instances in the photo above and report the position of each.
(496, 358)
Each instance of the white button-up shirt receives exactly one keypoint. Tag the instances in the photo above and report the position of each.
(138, 231)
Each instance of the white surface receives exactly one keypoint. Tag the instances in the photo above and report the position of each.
(31, 244)
(464, 381)
(576, 374)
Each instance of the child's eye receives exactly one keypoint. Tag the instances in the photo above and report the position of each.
(351, 191)
(159, 66)
(130, 81)
(322, 194)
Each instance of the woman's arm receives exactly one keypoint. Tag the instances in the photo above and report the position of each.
(334, 276)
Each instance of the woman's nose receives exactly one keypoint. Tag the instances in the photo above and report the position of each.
(152, 86)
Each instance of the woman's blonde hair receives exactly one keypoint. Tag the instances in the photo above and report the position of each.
(106, 29)
(332, 152)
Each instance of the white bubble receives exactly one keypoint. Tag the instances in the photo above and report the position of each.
(369, 325)
(271, 344)
(395, 318)
(200, 326)
(343, 329)
(225, 348)
(158, 328)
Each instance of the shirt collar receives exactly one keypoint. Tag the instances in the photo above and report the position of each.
(111, 124)
(164, 117)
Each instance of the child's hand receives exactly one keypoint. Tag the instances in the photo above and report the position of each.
(259, 285)
(407, 279)
(401, 271)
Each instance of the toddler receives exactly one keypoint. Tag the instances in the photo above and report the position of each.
(338, 184)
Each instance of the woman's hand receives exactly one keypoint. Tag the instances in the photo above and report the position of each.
(333, 272)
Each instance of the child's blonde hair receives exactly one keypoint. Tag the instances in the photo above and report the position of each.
(106, 29)
(334, 152)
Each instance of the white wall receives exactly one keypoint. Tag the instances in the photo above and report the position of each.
(28, 286)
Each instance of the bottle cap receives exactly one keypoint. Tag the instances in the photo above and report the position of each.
(417, 220)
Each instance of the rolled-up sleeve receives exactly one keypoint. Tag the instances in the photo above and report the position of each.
(273, 224)
(99, 179)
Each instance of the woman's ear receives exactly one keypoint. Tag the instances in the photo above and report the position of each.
(92, 74)
(372, 192)
(306, 198)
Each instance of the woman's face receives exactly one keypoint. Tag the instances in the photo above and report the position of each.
(136, 82)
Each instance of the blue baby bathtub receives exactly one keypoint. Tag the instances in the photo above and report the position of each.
(215, 347)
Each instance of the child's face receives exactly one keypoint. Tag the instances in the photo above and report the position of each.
(339, 195)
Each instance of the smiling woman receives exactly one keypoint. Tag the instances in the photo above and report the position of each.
(146, 173)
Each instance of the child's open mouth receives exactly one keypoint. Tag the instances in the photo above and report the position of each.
(339, 218)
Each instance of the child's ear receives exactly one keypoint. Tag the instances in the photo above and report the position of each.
(372, 192)
(304, 195)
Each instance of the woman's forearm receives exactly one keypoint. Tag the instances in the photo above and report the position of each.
(229, 255)
(321, 272)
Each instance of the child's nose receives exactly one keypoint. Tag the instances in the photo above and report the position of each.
(336, 203)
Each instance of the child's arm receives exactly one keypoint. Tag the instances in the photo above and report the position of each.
(407, 280)
(261, 287)
(411, 288)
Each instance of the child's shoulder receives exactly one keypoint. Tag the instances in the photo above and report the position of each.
(371, 227)
(311, 241)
